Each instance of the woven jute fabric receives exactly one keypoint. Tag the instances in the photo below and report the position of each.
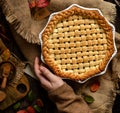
(26, 33)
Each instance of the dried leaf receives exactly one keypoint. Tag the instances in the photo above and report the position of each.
(37, 108)
(41, 3)
(95, 86)
(89, 99)
(32, 3)
(16, 106)
(31, 96)
(39, 102)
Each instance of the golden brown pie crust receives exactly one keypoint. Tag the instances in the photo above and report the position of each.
(77, 43)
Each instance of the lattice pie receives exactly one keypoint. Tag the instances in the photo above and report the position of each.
(77, 43)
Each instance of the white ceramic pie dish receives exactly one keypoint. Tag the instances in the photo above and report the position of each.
(113, 30)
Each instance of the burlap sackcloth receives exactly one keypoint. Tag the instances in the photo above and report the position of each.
(26, 33)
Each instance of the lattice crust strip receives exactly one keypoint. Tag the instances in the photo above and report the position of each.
(77, 43)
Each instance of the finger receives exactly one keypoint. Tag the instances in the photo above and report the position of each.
(45, 83)
(37, 66)
(38, 72)
(43, 80)
(50, 76)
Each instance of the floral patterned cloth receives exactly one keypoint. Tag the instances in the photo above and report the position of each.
(38, 3)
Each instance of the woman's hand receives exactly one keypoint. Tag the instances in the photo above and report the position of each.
(48, 80)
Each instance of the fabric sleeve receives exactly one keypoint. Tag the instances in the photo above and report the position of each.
(67, 101)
